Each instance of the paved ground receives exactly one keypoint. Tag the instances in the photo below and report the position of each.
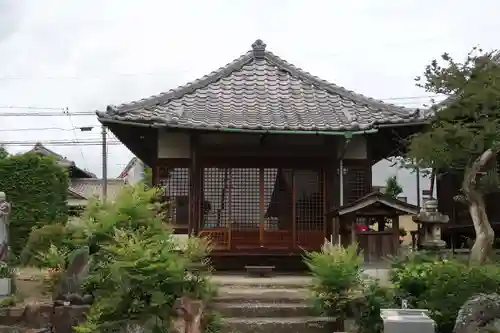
(381, 274)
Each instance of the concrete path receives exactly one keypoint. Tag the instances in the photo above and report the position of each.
(382, 274)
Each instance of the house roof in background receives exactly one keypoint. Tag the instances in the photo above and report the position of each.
(260, 91)
(39, 148)
(128, 167)
(88, 187)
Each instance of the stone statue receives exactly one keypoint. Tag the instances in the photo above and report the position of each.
(4, 226)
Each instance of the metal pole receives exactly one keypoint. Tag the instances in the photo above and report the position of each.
(418, 187)
(104, 165)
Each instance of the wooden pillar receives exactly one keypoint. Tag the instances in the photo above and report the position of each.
(353, 229)
(395, 233)
(195, 188)
(261, 207)
(294, 212)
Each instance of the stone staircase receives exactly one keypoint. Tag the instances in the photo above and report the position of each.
(270, 305)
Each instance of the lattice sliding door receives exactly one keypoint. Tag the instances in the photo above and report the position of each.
(309, 200)
(231, 207)
(357, 182)
(277, 191)
(248, 208)
(175, 186)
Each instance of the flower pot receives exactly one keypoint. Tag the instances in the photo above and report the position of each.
(5, 287)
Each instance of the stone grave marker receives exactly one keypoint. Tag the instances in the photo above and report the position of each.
(67, 291)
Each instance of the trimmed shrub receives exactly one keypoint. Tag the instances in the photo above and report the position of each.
(442, 286)
(37, 188)
(40, 240)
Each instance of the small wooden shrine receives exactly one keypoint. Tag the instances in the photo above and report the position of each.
(372, 222)
(257, 152)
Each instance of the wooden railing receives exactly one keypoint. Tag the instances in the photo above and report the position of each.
(220, 238)
(226, 239)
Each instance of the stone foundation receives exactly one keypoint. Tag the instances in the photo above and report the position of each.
(34, 317)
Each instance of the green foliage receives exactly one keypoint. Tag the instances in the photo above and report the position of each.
(375, 297)
(148, 176)
(3, 153)
(469, 123)
(136, 269)
(442, 286)
(140, 281)
(5, 270)
(392, 187)
(336, 273)
(213, 323)
(37, 188)
(40, 240)
(339, 288)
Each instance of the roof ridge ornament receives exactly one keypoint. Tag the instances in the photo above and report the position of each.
(259, 49)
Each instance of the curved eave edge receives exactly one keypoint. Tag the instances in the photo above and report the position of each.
(105, 120)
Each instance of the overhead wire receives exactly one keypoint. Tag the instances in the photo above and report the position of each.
(76, 137)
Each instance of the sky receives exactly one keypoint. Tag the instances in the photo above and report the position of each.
(86, 54)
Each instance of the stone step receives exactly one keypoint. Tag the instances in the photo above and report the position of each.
(236, 281)
(256, 309)
(279, 325)
(276, 295)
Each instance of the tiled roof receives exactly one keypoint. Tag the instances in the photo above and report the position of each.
(39, 148)
(260, 91)
(127, 168)
(372, 198)
(89, 188)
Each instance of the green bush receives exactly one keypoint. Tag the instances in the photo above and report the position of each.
(336, 273)
(40, 240)
(37, 188)
(442, 286)
(374, 298)
(340, 289)
(136, 270)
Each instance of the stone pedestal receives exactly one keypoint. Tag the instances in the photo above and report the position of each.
(431, 221)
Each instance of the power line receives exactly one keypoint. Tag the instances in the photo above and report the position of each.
(44, 114)
(59, 143)
(32, 107)
(76, 138)
(42, 129)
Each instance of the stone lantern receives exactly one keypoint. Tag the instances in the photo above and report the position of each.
(430, 221)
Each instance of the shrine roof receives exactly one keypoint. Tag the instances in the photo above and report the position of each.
(376, 198)
(261, 91)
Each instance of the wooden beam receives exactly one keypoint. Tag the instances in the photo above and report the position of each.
(261, 205)
(194, 188)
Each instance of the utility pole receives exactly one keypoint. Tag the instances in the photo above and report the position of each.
(104, 165)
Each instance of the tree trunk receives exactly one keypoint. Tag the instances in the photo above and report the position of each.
(485, 235)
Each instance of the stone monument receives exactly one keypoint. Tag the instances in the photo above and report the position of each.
(5, 209)
(430, 221)
(67, 291)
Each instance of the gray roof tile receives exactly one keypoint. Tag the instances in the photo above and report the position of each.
(260, 91)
